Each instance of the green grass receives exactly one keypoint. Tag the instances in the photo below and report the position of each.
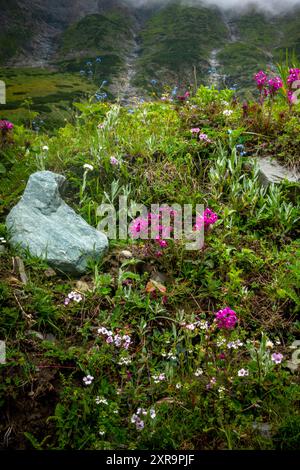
(51, 93)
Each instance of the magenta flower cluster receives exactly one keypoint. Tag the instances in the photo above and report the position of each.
(6, 126)
(208, 218)
(141, 226)
(226, 319)
(267, 86)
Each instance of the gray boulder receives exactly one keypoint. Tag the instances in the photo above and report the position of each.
(271, 172)
(45, 225)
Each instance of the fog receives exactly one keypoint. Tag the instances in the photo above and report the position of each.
(270, 6)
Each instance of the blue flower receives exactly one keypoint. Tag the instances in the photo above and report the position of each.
(131, 111)
(174, 91)
(153, 81)
(240, 147)
(98, 60)
(89, 64)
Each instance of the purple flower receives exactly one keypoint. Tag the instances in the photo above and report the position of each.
(277, 358)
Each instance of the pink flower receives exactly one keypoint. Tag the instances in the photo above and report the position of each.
(114, 161)
(6, 126)
(294, 75)
(163, 243)
(261, 79)
(205, 138)
(139, 226)
(226, 318)
(195, 130)
(208, 218)
(274, 85)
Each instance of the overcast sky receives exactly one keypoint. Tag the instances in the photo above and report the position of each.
(268, 5)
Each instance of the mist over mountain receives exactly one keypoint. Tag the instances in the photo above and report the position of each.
(270, 6)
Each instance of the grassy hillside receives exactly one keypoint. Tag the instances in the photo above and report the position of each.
(186, 349)
(49, 95)
(177, 39)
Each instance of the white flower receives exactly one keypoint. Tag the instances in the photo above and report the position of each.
(178, 385)
(46, 148)
(88, 167)
(221, 390)
(152, 413)
(269, 344)
(227, 112)
(243, 373)
(2, 240)
(100, 400)
(134, 418)
(102, 331)
(75, 296)
(101, 433)
(118, 340)
(198, 372)
(124, 361)
(203, 325)
(88, 379)
(141, 411)
(190, 327)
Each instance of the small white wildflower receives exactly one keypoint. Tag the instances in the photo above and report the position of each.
(46, 148)
(141, 411)
(152, 413)
(190, 327)
(269, 344)
(118, 340)
(134, 418)
(243, 373)
(203, 325)
(178, 385)
(198, 372)
(227, 112)
(100, 400)
(102, 331)
(101, 433)
(88, 379)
